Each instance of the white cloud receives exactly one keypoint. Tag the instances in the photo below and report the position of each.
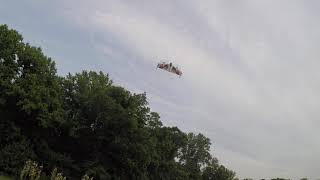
(242, 60)
(251, 78)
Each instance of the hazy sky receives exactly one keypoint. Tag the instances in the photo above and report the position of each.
(251, 81)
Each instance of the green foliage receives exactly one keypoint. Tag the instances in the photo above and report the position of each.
(13, 155)
(30, 104)
(217, 172)
(84, 124)
(195, 154)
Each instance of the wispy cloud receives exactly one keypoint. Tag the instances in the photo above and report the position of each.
(250, 82)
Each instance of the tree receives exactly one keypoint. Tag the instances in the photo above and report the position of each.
(30, 104)
(217, 172)
(195, 154)
(84, 124)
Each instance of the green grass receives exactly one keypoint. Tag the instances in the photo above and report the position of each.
(5, 178)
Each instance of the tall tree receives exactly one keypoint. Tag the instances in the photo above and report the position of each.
(30, 106)
(195, 154)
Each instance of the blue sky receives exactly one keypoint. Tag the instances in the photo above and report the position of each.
(250, 82)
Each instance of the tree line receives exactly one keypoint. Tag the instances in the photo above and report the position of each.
(84, 124)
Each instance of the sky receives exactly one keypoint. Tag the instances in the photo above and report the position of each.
(250, 68)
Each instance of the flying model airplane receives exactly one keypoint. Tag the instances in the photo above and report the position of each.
(170, 68)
